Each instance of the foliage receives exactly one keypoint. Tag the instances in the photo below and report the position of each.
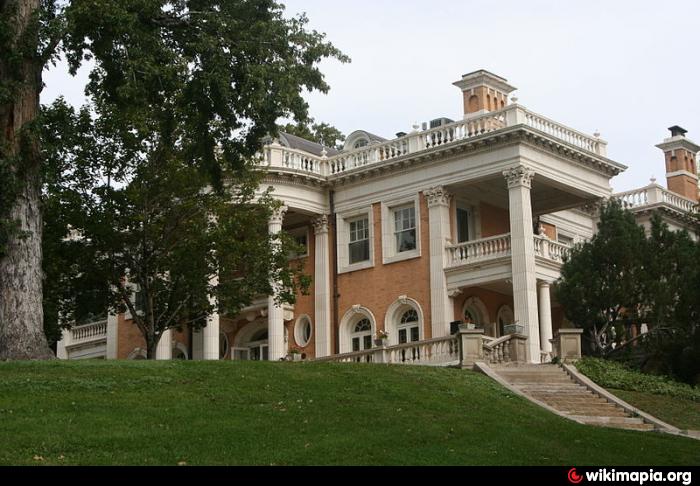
(322, 133)
(602, 281)
(144, 218)
(680, 412)
(132, 412)
(611, 374)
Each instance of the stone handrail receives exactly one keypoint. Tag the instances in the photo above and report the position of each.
(498, 350)
(441, 350)
(478, 250)
(655, 194)
(568, 135)
(277, 156)
(87, 332)
(550, 249)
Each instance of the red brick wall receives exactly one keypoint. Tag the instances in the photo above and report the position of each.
(494, 221)
(378, 287)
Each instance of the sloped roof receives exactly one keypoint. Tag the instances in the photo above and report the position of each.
(298, 143)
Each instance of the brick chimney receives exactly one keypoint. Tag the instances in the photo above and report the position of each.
(483, 91)
(681, 163)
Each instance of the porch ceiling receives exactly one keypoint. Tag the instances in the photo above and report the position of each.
(547, 196)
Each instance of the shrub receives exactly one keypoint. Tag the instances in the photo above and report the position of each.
(610, 374)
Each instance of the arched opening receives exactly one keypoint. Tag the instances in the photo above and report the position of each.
(404, 321)
(503, 318)
(356, 330)
(251, 342)
(473, 105)
(303, 331)
(475, 312)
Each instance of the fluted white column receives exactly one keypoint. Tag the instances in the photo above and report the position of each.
(164, 348)
(441, 312)
(275, 313)
(545, 308)
(322, 288)
(61, 352)
(519, 181)
(210, 333)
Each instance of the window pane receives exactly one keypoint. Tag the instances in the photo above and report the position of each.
(355, 344)
(402, 336)
(406, 240)
(359, 251)
(367, 342)
(462, 225)
(414, 334)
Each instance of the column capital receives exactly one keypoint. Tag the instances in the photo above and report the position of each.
(277, 215)
(519, 176)
(544, 284)
(320, 224)
(437, 196)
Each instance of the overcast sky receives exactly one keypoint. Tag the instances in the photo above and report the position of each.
(628, 69)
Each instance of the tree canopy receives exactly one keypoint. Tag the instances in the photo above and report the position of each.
(181, 95)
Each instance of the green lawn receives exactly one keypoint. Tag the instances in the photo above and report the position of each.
(681, 412)
(134, 412)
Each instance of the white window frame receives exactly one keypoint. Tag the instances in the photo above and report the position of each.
(299, 331)
(134, 287)
(389, 250)
(343, 221)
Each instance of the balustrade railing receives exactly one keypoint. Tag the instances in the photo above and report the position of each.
(277, 156)
(497, 351)
(437, 351)
(478, 250)
(88, 332)
(550, 249)
(655, 194)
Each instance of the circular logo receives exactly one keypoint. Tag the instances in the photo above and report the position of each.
(574, 477)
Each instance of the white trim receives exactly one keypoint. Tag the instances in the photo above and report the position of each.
(179, 346)
(480, 307)
(504, 309)
(343, 224)
(394, 313)
(681, 172)
(137, 352)
(389, 253)
(299, 332)
(472, 208)
(350, 318)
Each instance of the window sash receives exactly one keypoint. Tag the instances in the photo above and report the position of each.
(405, 229)
(462, 225)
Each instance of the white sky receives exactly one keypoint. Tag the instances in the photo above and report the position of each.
(626, 68)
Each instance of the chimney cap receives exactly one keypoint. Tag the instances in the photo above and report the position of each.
(676, 131)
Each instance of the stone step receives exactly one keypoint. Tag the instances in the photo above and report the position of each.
(591, 412)
(573, 401)
(609, 419)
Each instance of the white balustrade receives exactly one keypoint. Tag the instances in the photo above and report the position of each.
(479, 250)
(277, 156)
(437, 351)
(655, 194)
(497, 350)
(550, 249)
(88, 332)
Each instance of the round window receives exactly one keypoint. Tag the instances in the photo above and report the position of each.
(303, 331)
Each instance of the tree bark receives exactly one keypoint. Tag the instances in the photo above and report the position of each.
(21, 314)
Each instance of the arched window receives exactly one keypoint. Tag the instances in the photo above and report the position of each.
(361, 335)
(360, 143)
(475, 312)
(409, 327)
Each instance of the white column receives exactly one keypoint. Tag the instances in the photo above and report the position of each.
(210, 338)
(275, 313)
(322, 288)
(164, 348)
(210, 333)
(441, 312)
(545, 308)
(112, 335)
(523, 256)
(61, 352)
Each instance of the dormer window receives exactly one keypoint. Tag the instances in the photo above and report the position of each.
(360, 143)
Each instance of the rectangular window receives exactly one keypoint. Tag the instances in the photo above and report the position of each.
(300, 236)
(359, 240)
(405, 229)
(462, 225)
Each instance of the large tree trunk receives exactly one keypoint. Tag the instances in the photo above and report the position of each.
(21, 315)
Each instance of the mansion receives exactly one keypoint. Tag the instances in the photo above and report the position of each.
(456, 221)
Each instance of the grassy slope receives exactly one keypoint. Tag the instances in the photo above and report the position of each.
(293, 413)
(683, 413)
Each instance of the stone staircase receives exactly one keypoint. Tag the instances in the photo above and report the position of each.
(552, 386)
